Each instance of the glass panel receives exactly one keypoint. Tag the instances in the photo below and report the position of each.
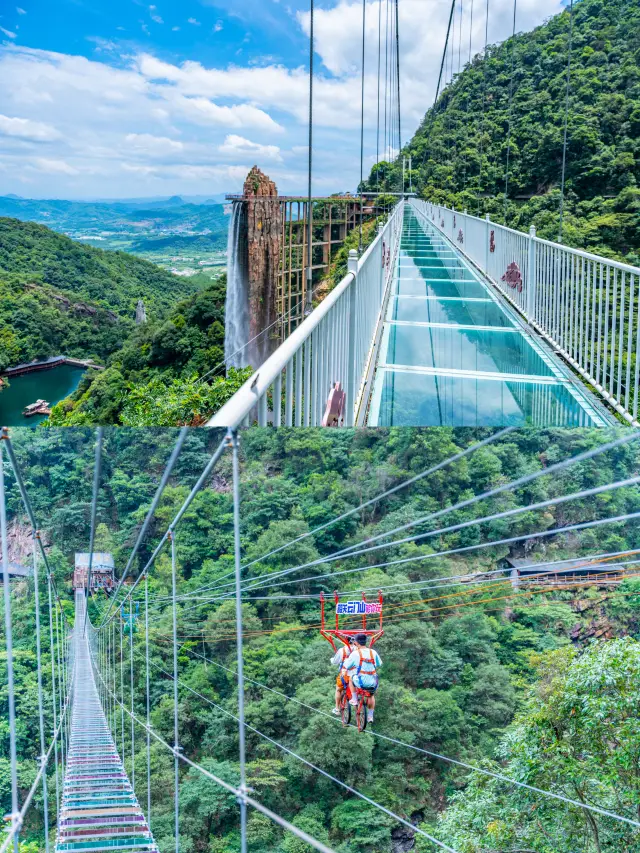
(462, 313)
(413, 399)
(435, 272)
(457, 289)
(450, 348)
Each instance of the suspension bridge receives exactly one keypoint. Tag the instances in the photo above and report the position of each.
(88, 737)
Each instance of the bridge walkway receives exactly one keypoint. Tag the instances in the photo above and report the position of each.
(453, 352)
(99, 810)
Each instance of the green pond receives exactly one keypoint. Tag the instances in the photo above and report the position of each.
(51, 385)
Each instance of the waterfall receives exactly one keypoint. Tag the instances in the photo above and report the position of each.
(236, 312)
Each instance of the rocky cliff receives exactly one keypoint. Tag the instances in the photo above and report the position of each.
(264, 235)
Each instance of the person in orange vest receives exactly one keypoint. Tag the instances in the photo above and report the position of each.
(362, 666)
(342, 679)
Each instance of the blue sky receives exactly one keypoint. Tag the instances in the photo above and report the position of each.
(120, 98)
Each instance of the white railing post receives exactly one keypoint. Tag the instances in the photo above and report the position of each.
(352, 267)
(532, 276)
(487, 234)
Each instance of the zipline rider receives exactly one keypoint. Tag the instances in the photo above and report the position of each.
(362, 666)
(342, 680)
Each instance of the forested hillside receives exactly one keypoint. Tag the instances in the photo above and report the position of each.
(513, 680)
(158, 376)
(460, 150)
(60, 297)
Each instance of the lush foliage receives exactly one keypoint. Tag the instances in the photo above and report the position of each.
(460, 150)
(455, 669)
(58, 297)
(577, 735)
(156, 378)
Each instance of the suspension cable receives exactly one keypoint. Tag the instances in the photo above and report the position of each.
(8, 633)
(182, 435)
(26, 502)
(398, 79)
(566, 121)
(513, 51)
(364, 24)
(185, 506)
(94, 514)
(315, 767)
(318, 845)
(42, 757)
(378, 96)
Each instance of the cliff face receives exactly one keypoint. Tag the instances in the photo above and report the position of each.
(264, 236)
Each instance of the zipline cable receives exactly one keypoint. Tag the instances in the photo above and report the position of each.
(404, 484)
(446, 582)
(440, 757)
(349, 552)
(467, 548)
(387, 493)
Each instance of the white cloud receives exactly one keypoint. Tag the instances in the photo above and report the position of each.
(237, 146)
(157, 19)
(158, 146)
(20, 11)
(193, 21)
(218, 27)
(175, 29)
(128, 124)
(8, 33)
(54, 167)
(25, 128)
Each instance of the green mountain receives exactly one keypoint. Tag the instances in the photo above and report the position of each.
(58, 296)
(460, 150)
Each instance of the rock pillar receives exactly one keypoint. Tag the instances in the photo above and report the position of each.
(264, 237)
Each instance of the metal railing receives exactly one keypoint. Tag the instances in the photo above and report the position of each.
(586, 306)
(334, 344)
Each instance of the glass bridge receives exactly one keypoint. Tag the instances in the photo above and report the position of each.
(454, 353)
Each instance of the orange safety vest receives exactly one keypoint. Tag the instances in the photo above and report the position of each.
(367, 665)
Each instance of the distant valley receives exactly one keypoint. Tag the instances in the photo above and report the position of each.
(178, 235)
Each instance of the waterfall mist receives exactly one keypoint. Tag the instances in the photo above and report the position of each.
(236, 322)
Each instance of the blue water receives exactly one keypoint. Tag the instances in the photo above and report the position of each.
(51, 385)
(452, 354)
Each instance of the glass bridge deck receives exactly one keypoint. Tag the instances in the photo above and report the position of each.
(453, 353)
